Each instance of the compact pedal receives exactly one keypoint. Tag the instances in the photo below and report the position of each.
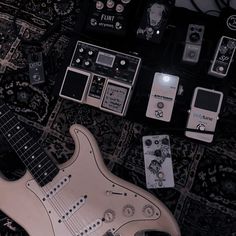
(158, 161)
(193, 43)
(36, 70)
(162, 97)
(154, 20)
(109, 16)
(203, 115)
(223, 57)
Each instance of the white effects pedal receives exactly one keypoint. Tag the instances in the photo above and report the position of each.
(162, 96)
(203, 116)
(158, 161)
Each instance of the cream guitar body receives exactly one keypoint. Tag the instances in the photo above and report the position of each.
(84, 198)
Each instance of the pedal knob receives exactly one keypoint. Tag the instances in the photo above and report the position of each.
(99, 5)
(123, 63)
(125, 1)
(160, 105)
(110, 3)
(148, 142)
(90, 53)
(93, 22)
(118, 25)
(78, 61)
(119, 8)
(201, 127)
(81, 50)
(87, 63)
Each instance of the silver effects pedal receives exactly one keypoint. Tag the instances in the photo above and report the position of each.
(193, 43)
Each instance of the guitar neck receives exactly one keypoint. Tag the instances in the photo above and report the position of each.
(42, 168)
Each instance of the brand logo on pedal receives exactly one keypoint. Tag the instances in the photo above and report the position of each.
(231, 22)
(202, 117)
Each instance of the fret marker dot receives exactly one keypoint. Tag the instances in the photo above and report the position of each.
(18, 127)
(45, 173)
(9, 135)
(0, 113)
(26, 147)
(32, 157)
(39, 166)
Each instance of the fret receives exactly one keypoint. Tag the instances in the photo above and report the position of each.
(23, 144)
(10, 131)
(18, 142)
(42, 168)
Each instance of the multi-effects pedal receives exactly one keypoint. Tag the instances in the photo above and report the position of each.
(100, 77)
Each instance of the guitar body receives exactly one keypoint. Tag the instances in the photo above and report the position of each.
(84, 199)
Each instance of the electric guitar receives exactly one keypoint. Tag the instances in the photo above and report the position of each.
(79, 198)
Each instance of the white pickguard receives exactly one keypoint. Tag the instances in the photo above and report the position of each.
(84, 199)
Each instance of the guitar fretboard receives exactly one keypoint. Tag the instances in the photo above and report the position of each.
(42, 168)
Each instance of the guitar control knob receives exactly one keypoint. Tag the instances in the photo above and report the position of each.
(109, 215)
(110, 3)
(128, 210)
(99, 5)
(119, 8)
(148, 211)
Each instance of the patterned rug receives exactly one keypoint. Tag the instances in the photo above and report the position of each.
(203, 200)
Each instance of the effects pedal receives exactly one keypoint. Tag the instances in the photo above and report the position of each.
(36, 70)
(158, 161)
(109, 16)
(193, 43)
(223, 57)
(101, 77)
(162, 97)
(154, 20)
(203, 115)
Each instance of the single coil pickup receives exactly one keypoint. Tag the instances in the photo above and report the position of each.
(72, 209)
(56, 188)
(90, 228)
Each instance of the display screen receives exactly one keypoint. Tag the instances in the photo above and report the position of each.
(207, 100)
(105, 59)
(74, 85)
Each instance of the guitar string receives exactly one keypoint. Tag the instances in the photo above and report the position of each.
(74, 220)
(5, 132)
(56, 202)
